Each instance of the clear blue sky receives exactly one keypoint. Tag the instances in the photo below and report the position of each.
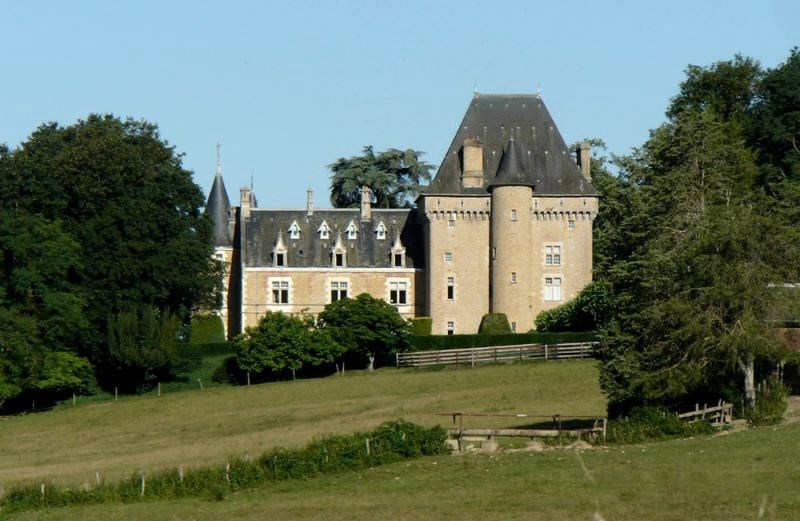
(288, 87)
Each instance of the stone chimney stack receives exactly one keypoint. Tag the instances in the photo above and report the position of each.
(583, 155)
(309, 202)
(472, 174)
(245, 196)
(366, 203)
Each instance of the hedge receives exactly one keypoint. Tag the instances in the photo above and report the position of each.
(435, 342)
(421, 326)
(389, 443)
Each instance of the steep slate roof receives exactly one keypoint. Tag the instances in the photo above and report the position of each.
(511, 172)
(366, 251)
(546, 162)
(219, 207)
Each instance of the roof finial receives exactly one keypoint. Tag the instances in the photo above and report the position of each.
(251, 180)
(538, 89)
(474, 89)
(219, 163)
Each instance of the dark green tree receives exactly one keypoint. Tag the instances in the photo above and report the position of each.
(395, 177)
(122, 194)
(366, 326)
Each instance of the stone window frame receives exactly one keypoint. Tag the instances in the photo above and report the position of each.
(401, 285)
(380, 231)
(451, 288)
(294, 231)
(352, 231)
(448, 257)
(553, 254)
(451, 327)
(553, 285)
(283, 285)
(324, 230)
(334, 285)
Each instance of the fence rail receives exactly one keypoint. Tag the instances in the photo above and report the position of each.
(478, 355)
(718, 415)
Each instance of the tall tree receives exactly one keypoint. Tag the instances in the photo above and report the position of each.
(395, 177)
(125, 198)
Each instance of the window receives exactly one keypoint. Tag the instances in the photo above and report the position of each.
(324, 230)
(380, 231)
(513, 277)
(398, 293)
(294, 230)
(338, 259)
(280, 292)
(451, 223)
(494, 253)
(513, 327)
(552, 288)
(552, 255)
(451, 288)
(451, 328)
(398, 260)
(448, 256)
(279, 259)
(352, 231)
(513, 215)
(338, 290)
(571, 224)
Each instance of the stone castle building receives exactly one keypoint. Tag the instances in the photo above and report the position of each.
(505, 227)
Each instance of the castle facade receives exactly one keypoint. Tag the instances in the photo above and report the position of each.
(504, 227)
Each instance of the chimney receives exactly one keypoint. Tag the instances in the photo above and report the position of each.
(309, 202)
(583, 156)
(472, 174)
(366, 203)
(245, 196)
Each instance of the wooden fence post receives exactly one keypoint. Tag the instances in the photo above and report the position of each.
(141, 474)
(545, 351)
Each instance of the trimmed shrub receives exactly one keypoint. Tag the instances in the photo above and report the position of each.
(494, 324)
(206, 329)
(421, 326)
(439, 342)
(391, 442)
(588, 311)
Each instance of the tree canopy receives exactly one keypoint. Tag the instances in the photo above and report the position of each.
(125, 226)
(396, 178)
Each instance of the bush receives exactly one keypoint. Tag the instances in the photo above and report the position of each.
(652, 423)
(391, 442)
(770, 403)
(439, 342)
(494, 324)
(206, 329)
(588, 311)
(421, 326)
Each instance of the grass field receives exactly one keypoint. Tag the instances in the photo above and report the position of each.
(745, 475)
(194, 428)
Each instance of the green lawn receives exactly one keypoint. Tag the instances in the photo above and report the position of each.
(747, 475)
(194, 428)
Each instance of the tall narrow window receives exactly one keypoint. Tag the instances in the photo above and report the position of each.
(513, 277)
(448, 256)
(398, 293)
(338, 290)
(279, 259)
(339, 259)
(571, 224)
(513, 327)
(451, 328)
(513, 215)
(451, 288)
(552, 288)
(280, 292)
(398, 260)
(552, 255)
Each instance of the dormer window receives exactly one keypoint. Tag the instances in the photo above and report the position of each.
(339, 253)
(324, 230)
(398, 253)
(294, 230)
(279, 252)
(352, 231)
(380, 231)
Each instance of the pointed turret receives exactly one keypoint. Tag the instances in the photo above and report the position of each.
(219, 207)
(511, 171)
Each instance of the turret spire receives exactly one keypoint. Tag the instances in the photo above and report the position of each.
(219, 162)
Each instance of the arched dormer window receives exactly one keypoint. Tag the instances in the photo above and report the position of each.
(398, 253)
(294, 230)
(339, 253)
(279, 252)
(352, 231)
(380, 231)
(324, 230)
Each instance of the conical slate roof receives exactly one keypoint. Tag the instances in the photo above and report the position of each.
(494, 119)
(511, 171)
(219, 207)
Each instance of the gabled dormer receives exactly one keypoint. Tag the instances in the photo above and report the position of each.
(351, 231)
(324, 230)
(339, 253)
(380, 231)
(279, 252)
(294, 231)
(398, 253)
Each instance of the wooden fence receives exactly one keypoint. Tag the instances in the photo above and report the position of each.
(478, 355)
(718, 415)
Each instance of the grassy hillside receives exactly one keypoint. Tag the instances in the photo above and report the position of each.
(746, 475)
(193, 428)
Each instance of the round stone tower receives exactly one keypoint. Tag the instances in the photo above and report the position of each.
(512, 242)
